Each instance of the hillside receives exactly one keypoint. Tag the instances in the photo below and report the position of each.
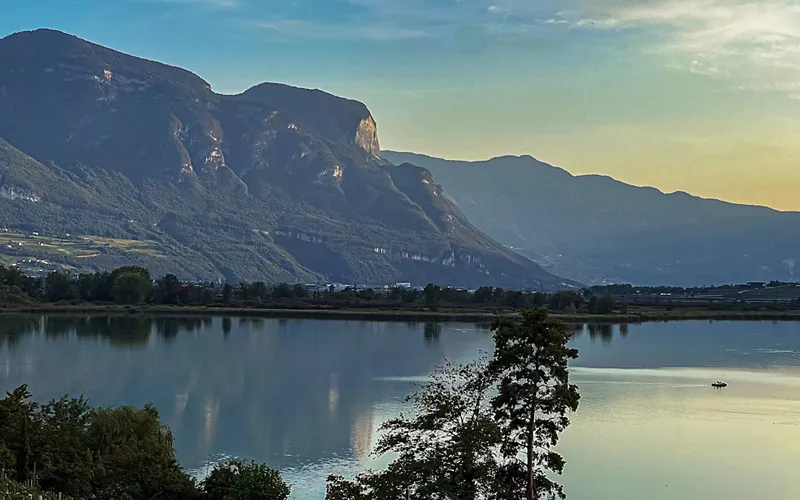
(595, 229)
(275, 184)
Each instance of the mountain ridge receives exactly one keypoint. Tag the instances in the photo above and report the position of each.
(423, 157)
(276, 183)
(596, 229)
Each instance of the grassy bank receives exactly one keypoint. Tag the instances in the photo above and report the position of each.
(289, 313)
(460, 315)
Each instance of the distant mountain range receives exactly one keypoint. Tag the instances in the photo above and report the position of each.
(595, 229)
(275, 184)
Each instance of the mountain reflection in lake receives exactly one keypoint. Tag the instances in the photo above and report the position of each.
(307, 396)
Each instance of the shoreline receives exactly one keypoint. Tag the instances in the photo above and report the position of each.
(399, 315)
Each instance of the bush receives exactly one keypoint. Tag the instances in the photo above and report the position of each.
(16, 299)
(219, 481)
(258, 482)
(119, 453)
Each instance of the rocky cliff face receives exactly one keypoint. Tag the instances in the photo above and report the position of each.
(277, 183)
(367, 137)
(334, 118)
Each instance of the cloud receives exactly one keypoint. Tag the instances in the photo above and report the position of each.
(210, 3)
(362, 31)
(448, 18)
(468, 24)
(756, 42)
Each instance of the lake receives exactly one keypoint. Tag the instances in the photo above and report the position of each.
(307, 396)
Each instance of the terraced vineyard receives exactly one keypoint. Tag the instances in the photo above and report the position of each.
(37, 253)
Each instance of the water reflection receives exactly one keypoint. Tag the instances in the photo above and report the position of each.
(282, 391)
(432, 332)
(602, 331)
(307, 396)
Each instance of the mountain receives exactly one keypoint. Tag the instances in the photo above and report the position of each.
(595, 229)
(143, 163)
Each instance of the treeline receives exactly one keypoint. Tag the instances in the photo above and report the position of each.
(627, 289)
(125, 285)
(486, 430)
(134, 285)
(68, 447)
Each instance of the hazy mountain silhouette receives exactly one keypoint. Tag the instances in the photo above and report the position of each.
(593, 228)
(276, 183)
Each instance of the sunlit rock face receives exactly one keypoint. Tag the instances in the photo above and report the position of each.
(367, 136)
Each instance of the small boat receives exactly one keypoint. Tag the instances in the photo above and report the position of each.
(719, 384)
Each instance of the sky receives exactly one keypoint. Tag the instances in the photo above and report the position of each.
(701, 96)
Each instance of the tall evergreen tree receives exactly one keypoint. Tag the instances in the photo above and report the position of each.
(533, 403)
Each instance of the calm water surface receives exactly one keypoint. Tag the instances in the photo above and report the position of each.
(307, 396)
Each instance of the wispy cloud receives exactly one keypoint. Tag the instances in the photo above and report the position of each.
(333, 31)
(211, 3)
(754, 42)
(393, 20)
(448, 18)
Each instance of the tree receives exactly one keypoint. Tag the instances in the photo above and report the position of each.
(367, 294)
(481, 431)
(61, 446)
(446, 450)
(300, 291)
(533, 401)
(195, 295)
(7, 459)
(511, 298)
(560, 301)
(219, 482)
(253, 291)
(16, 429)
(135, 456)
(167, 290)
(58, 286)
(283, 291)
(121, 453)
(144, 273)
(605, 305)
(12, 276)
(131, 288)
(255, 481)
(95, 286)
(227, 292)
(483, 294)
(432, 294)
